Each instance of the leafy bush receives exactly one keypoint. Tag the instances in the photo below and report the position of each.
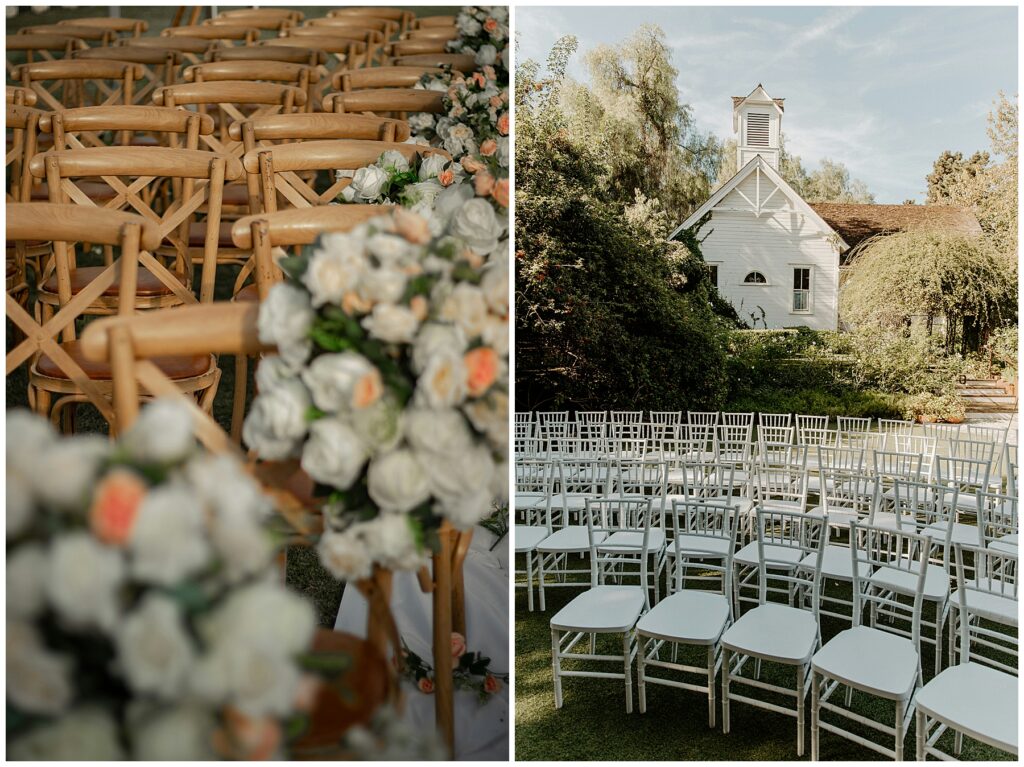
(935, 407)
(1003, 345)
(858, 404)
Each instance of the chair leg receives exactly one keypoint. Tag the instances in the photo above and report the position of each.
(815, 704)
(938, 639)
(238, 397)
(556, 668)
(921, 735)
(958, 744)
(641, 655)
(529, 581)
(711, 687)
(899, 731)
(540, 581)
(726, 659)
(801, 680)
(628, 668)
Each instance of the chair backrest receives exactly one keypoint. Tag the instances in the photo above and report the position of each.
(779, 532)
(202, 175)
(978, 450)
(881, 555)
(459, 62)
(806, 422)
(922, 445)
(698, 418)
(384, 101)
(920, 504)
(890, 464)
(36, 47)
(671, 417)
(443, 21)
(243, 15)
(737, 419)
(278, 167)
(263, 20)
(403, 17)
(591, 416)
(775, 433)
(774, 420)
(121, 24)
(417, 47)
(302, 76)
(707, 481)
(609, 515)
(545, 417)
(348, 80)
(593, 437)
(79, 128)
(626, 416)
(812, 437)
(997, 519)
(709, 520)
(82, 31)
(780, 475)
(579, 477)
(159, 65)
(968, 474)
(845, 484)
(310, 57)
(890, 426)
(734, 443)
(850, 423)
(23, 122)
(631, 477)
(77, 82)
(225, 33)
(344, 50)
(991, 595)
(533, 485)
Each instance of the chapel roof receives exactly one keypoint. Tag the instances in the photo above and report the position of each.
(857, 222)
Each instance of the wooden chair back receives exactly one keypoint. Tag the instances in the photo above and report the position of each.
(23, 122)
(399, 16)
(417, 47)
(461, 62)
(301, 76)
(393, 102)
(375, 32)
(224, 33)
(356, 49)
(348, 80)
(433, 22)
(279, 168)
(40, 48)
(267, 20)
(244, 15)
(63, 225)
(159, 65)
(79, 128)
(191, 49)
(432, 33)
(269, 52)
(102, 37)
(21, 96)
(119, 25)
(78, 83)
(202, 176)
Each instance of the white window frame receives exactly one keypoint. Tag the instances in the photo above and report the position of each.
(744, 284)
(810, 290)
(717, 266)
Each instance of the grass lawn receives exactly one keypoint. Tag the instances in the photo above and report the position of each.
(593, 723)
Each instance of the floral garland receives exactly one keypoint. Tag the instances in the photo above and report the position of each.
(145, 617)
(391, 380)
(471, 671)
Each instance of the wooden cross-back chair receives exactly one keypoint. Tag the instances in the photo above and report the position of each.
(270, 52)
(187, 15)
(356, 50)
(375, 32)
(416, 47)
(60, 377)
(434, 22)
(348, 80)
(21, 96)
(101, 37)
(401, 17)
(229, 34)
(461, 62)
(386, 102)
(245, 15)
(190, 49)
(301, 76)
(119, 26)
(159, 65)
(264, 23)
(279, 168)
(202, 177)
(79, 83)
(41, 48)
(267, 235)
(23, 122)
(432, 33)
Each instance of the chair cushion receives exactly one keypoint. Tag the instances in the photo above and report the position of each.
(197, 235)
(625, 541)
(148, 283)
(236, 194)
(528, 536)
(697, 546)
(837, 563)
(176, 368)
(691, 616)
(774, 632)
(94, 190)
(870, 659)
(248, 294)
(601, 609)
(936, 581)
(976, 700)
(748, 555)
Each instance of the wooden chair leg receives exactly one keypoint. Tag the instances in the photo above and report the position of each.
(238, 397)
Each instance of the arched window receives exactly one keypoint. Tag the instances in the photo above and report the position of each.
(755, 278)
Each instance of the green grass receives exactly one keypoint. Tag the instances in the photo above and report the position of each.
(594, 725)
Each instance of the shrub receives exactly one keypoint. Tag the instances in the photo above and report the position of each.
(935, 407)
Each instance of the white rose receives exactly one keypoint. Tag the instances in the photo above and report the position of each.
(378, 426)
(169, 540)
(368, 183)
(423, 191)
(252, 676)
(391, 543)
(468, 26)
(27, 575)
(344, 555)
(88, 734)
(437, 84)
(432, 166)
(451, 200)
(495, 286)
(19, 503)
(333, 455)
(393, 160)
(396, 481)
(284, 320)
(466, 306)
(163, 433)
(76, 461)
(437, 338)
(495, 334)
(392, 250)
(490, 416)
(334, 271)
(38, 681)
(153, 649)
(243, 544)
(276, 424)
(487, 55)
(502, 154)
(181, 734)
(28, 435)
(478, 226)
(466, 510)
(271, 371)
(499, 483)
(224, 485)
(342, 382)
(456, 474)
(85, 577)
(442, 382)
(391, 323)
(421, 121)
(266, 613)
(383, 286)
(443, 431)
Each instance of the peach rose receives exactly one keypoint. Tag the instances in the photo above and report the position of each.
(490, 25)
(307, 691)
(489, 147)
(352, 303)
(471, 164)
(248, 738)
(426, 685)
(368, 390)
(503, 124)
(411, 226)
(481, 369)
(458, 645)
(492, 684)
(419, 307)
(483, 182)
(500, 192)
(489, 72)
(116, 505)
(446, 177)
(496, 101)
(479, 79)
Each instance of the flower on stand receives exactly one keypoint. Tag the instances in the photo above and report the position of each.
(145, 618)
(471, 671)
(394, 408)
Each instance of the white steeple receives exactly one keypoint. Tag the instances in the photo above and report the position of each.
(757, 121)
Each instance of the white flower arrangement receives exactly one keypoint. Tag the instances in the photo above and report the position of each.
(395, 399)
(145, 618)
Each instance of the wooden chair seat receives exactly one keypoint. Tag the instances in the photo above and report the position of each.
(149, 284)
(197, 232)
(174, 367)
(248, 293)
(95, 190)
(235, 194)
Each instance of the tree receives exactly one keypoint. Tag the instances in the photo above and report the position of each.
(951, 174)
(931, 274)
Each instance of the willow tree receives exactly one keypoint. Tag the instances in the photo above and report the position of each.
(931, 275)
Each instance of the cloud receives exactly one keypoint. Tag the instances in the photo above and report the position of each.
(822, 27)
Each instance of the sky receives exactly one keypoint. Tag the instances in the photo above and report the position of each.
(883, 90)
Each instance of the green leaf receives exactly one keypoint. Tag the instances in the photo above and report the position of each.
(313, 413)
(326, 663)
(294, 266)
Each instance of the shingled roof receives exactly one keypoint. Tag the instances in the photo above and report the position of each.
(856, 223)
